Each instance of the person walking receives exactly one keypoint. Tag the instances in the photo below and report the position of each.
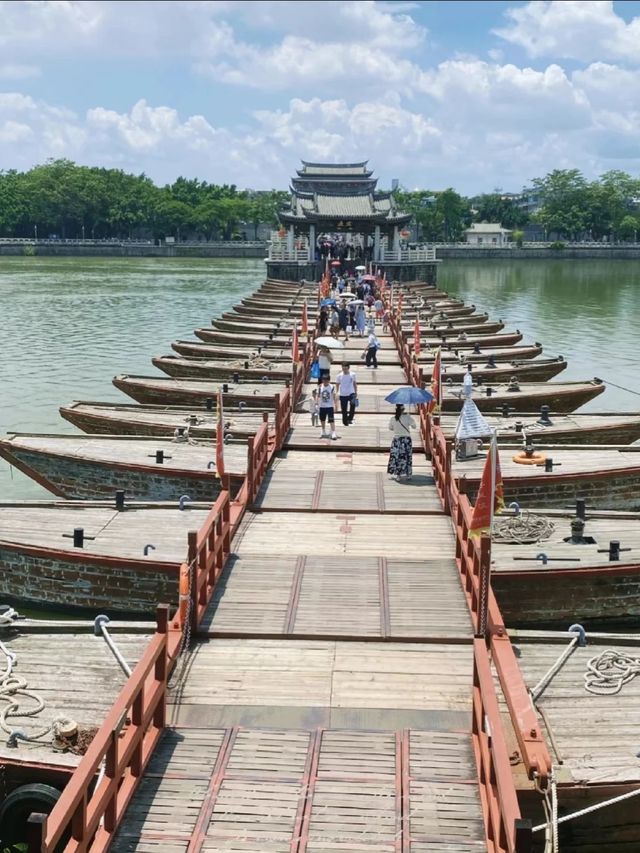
(343, 320)
(400, 465)
(347, 387)
(361, 320)
(371, 351)
(327, 407)
(325, 360)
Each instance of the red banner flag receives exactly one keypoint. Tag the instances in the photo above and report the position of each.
(304, 326)
(417, 346)
(491, 491)
(220, 438)
(433, 407)
(295, 350)
(400, 303)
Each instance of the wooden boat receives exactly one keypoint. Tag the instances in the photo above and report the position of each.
(526, 371)
(198, 349)
(465, 354)
(468, 327)
(579, 580)
(232, 370)
(244, 325)
(132, 419)
(248, 337)
(110, 572)
(560, 397)
(564, 429)
(454, 339)
(88, 467)
(608, 477)
(149, 389)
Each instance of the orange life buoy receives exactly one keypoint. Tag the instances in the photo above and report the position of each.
(535, 458)
(183, 606)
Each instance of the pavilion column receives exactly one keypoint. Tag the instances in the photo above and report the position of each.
(396, 241)
(312, 241)
(376, 244)
(290, 238)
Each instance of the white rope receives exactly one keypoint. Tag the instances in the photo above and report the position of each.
(546, 678)
(608, 672)
(13, 688)
(589, 809)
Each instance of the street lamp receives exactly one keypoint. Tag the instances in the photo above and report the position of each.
(35, 232)
(83, 232)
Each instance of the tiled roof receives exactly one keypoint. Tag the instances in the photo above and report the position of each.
(487, 228)
(334, 168)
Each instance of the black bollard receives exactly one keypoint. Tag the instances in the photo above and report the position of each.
(518, 425)
(209, 403)
(246, 365)
(236, 378)
(159, 456)
(544, 416)
(225, 388)
(476, 347)
(581, 508)
(614, 550)
(120, 500)
(489, 392)
(577, 529)
(78, 537)
(505, 410)
(548, 465)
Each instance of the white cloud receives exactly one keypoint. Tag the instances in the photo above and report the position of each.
(572, 29)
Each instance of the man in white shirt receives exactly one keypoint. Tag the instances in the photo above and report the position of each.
(347, 387)
(371, 350)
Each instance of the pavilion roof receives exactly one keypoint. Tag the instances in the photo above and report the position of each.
(329, 170)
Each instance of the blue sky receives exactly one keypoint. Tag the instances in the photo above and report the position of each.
(474, 95)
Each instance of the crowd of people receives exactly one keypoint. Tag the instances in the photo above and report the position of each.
(344, 248)
(355, 307)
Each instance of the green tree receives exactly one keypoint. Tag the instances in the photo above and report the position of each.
(565, 200)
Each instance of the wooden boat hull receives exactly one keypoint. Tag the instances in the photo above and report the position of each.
(208, 369)
(85, 479)
(252, 339)
(222, 352)
(617, 489)
(468, 355)
(172, 392)
(559, 398)
(469, 328)
(256, 327)
(500, 339)
(528, 371)
(162, 421)
(601, 594)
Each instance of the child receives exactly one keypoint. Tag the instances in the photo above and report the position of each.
(314, 408)
(327, 401)
(385, 321)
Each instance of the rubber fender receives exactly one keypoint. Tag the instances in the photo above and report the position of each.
(20, 804)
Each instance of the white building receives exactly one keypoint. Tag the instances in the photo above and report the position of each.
(488, 234)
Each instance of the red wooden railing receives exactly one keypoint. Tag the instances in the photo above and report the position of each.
(125, 743)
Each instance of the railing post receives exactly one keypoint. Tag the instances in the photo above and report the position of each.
(36, 833)
(161, 673)
(447, 475)
(192, 561)
(250, 469)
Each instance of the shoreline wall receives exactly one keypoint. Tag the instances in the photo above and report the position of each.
(259, 251)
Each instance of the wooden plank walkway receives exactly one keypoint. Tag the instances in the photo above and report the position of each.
(326, 705)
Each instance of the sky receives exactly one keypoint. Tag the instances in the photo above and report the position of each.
(473, 95)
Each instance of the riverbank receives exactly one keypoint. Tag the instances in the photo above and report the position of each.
(259, 250)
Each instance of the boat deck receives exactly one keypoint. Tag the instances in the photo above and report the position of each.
(595, 736)
(326, 704)
(76, 676)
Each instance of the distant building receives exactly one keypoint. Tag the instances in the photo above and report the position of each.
(488, 234)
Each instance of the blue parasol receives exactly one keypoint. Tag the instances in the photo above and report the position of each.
(325, 302)
(409, 395)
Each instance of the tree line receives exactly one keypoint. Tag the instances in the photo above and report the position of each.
(569, 207)
(71, 201)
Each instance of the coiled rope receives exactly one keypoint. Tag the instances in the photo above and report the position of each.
(522, 529)
(608, 672)
(13, 689)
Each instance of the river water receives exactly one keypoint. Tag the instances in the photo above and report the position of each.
(68, 324)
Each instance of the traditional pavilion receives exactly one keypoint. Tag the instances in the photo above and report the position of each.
(338, 204)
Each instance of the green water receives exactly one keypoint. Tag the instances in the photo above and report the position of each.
(69, 325)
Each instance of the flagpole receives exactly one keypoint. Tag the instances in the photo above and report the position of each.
(494, 455)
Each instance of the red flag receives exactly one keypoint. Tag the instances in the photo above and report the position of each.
(295, 351)
(433, 406)
(400, 303)
(304, 326)
(417, 347)
(482, 511)
(220, 438)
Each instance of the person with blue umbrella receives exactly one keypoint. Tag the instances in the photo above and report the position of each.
(400, 465)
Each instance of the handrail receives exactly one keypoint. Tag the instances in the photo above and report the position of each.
(258, 459)
(505, 830)
(125, 742)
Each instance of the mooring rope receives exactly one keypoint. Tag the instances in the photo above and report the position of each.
(608, 672)
(522, 529)
(621, 387)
